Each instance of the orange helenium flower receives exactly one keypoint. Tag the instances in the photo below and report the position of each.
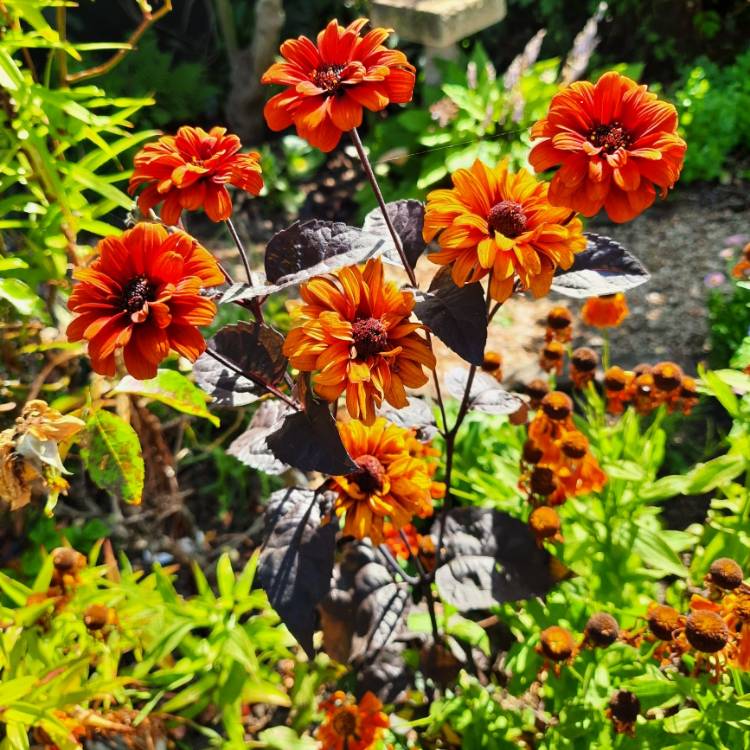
(349, 725)
(494, 221)
(605, 312)
(143, 295)
(353, 331)
(390, 483)
(329, 83)
(614, 142)
(190, 170)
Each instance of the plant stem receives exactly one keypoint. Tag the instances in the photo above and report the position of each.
(426, 583)
(254, 303)
(62, 54)
(381, 202)
(255, 379)
(395, 567)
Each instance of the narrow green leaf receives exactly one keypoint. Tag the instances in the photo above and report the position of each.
(20, 295)
(657, 554)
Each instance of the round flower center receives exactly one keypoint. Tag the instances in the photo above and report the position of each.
(345, 723)
(328, 77)
(371, 474)
(663, 621)
(625, 706)
(136, 293)
(610, 137)
(557, 643)
(370, 337)
(508, 218)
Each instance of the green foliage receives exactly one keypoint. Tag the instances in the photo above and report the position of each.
(714, 106)
(729, 325)
(61, 150)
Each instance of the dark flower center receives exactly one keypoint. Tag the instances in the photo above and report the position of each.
(371, 473)
(136, 293)
(370, 337)
(508, 218)
(345, 724)
(610, 137)
(328, 77)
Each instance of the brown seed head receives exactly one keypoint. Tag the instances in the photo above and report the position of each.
(602, 629)
(706, 631)
(624, 706)
(543, 481)
(725, 573)
(553, 351)
(544, 522)
(536, 391)
(492, 361)
(574, 445)
(557, 405)
(67, 560)
(584, 359)
(642, 369)
(615, 379)
(689, 388)
(557, 643)
(559, 318)
(667, 376)
(663, 620)
(532, 453)
(96, 616)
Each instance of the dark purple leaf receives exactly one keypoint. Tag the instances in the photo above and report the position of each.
(490, 558)
(407, 218)
(417, 415)
(296, 560)
(309, 441)
(456, 315)
(604, 267)
(485, 394)
(255, 349)
(251, 447)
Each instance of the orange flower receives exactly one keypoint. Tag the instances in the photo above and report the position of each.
(552, 356)
(142, 295)
(493, 221)
(618, 388)
(353, 331)
(329, 83)
(583, 362)
(742, 268)
(391, 483)
(349, 725)
(401, 549)
(605, 312)
(559, 325)
(190, 170)
(614, 142)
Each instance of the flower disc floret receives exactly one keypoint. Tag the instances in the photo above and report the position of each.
(353, 332)
(663, 621)
(725, 573)
(557, 406)
(495, 222)
(349, 725)
(602, 630)
(706, 631)
(557, 643)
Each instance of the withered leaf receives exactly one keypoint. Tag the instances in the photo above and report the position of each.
(407, 218)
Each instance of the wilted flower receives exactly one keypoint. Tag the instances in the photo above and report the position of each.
(559, 325)
(583, 364)
(614, 142)
(29, 453)
(601, 630)
(328, 84)
(725, 574)
(98, 616)
(552, 357)
(545, 524)
(706, 631)
(557, 645)
(390, 483)
(493, 221)
(353, 332)
(536, 390)
(607, 311)
(618, 388)
(191, 170)
(663, 621)
(623, 710)
(493, 364)
(349, 725)
(143, 295)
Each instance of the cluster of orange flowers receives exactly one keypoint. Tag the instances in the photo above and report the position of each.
(143, 297)
(647, 387)
(742, 268)
(556, 464)
(349, 725)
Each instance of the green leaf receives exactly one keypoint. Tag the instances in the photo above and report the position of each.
(669, 486)
(12, 264)
(715, 473)
(741, 358)
(225, 577)
(657, 554)
(470, 632)
(713, 384)
(285, 738)
(14, 590)
(682, 721)
(173, 389)
(20, 295)
(113, 456)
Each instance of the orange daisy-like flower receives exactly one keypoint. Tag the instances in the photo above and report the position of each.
(349, 725)
(605, 312)
(190, 170)
(353, 332)
(328, 84)
(614, 142)
(742, 269)
(390, 483)
(493, 221)
(143, 295)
